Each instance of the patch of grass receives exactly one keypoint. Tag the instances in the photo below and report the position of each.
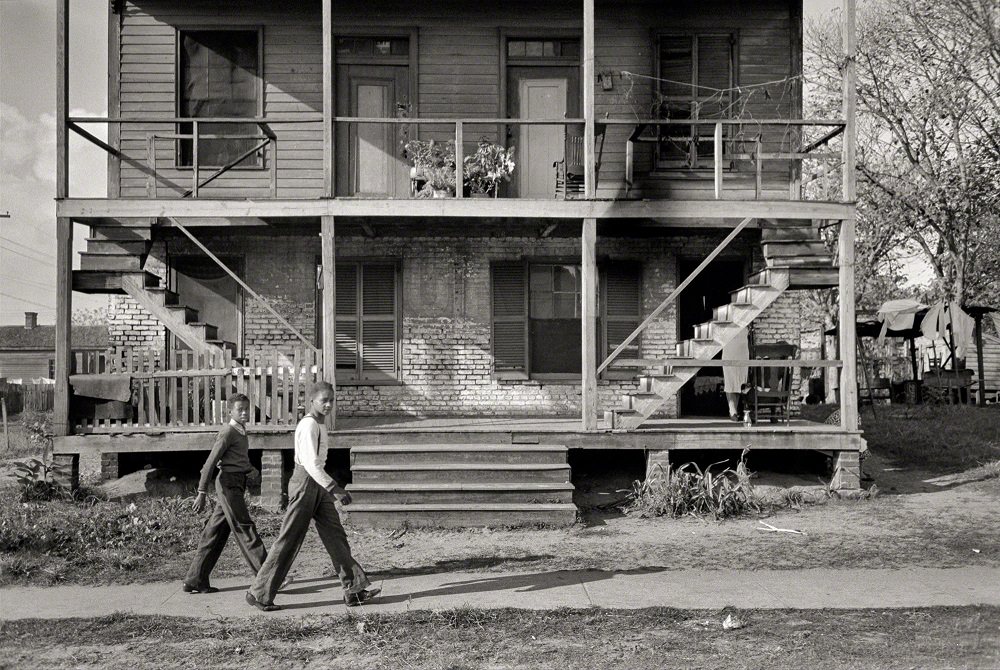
(689, 490)
(935, 437)
(562, 639)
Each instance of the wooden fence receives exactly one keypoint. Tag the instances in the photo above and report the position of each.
(185, 390)
(33, 397)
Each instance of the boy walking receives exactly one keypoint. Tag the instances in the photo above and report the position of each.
(311, 498)
(230, 454)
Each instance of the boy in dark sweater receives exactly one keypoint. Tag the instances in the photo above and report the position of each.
(230, 455)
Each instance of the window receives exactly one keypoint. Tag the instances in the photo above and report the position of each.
(547, 49)
(367, 322)
(219, 76)
(696, 74)
(536, 316)
(373, 47)
(52, 368)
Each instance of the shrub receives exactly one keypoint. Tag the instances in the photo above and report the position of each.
(35, 480)
(689, 490)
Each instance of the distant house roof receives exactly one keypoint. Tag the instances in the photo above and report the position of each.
(43, 338)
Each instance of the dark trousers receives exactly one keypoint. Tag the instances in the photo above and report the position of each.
(229, 516)
(308, 501)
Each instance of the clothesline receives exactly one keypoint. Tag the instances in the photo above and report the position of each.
(626, 73)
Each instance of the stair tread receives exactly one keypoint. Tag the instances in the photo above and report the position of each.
(375, 448)
(416, 467)
(462, 486)
(458, 507)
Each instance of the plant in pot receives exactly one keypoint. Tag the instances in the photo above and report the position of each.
(434, 166)
(487, 167)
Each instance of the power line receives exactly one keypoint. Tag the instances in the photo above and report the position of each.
(29, 283)
(30, 258)
(30, 302)
(20, 244)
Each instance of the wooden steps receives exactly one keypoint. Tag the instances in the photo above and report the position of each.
(456, 485)
(796, 245)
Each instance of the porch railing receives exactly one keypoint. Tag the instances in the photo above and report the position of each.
(740, 148)
(185, 391)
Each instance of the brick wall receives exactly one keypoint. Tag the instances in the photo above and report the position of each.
(446, 309)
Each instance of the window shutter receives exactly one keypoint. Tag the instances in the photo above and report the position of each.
(510, 320)
(379, 337)
(622, 305)
(347, 320)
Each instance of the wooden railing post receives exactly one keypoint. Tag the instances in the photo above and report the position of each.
(194, 159)
(848, 332)
(459, 166)
(588, 315)
(329, 270)
(717, 157)
(589, 163)
(328, 134)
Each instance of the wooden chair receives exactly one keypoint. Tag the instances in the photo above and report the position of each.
(771, 387)
(569, 171)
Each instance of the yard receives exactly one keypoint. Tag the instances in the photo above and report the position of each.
(461, 639)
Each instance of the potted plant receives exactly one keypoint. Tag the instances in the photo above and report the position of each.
(434, 166)
(487, 167)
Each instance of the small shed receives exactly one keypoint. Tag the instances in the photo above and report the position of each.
(29, 352)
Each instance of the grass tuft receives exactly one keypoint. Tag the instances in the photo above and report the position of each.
(689, 490)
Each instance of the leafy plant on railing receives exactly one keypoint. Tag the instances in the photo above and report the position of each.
(689, 490)
(434, 164)
(487, 167)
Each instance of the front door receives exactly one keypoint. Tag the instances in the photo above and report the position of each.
(703, 394)
(370, 156)
(540, 92)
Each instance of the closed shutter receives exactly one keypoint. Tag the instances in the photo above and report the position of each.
(622, 309)
(379, 340)
(510, 320)
(347, 321)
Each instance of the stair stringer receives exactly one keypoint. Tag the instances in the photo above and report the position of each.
(174, 322)
(666, 387)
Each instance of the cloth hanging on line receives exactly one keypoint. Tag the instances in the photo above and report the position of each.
(897, 315)
(944, 316)
(737, 348)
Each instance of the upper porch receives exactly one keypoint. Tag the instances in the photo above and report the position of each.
(614, 110)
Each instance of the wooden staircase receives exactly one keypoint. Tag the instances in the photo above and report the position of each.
(457, 485)
(113, 263)
(796, 259)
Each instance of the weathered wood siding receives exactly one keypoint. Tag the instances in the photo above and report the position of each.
(459, 75)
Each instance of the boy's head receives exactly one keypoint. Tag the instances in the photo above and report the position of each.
(321, 398)
(239, 408)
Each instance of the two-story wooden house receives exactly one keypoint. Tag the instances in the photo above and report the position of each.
(261, 231)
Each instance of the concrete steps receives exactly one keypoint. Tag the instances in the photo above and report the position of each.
(457, 485)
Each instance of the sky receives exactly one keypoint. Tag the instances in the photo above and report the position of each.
(27, 143)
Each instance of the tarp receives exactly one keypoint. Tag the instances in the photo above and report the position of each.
(898, 315)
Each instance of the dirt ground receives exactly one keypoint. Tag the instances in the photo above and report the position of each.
(966, 637)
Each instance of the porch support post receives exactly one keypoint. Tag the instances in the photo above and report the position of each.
(980, 370)
(328, 134)
(848, 332)
(62, 99)
(64, 310)
(588, 314)
(589, 166)
(329, 274)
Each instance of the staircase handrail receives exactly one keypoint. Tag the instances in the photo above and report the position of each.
(177, 224)
(676, 292)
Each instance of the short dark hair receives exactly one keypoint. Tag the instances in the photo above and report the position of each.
(235, 398)
(319, 387)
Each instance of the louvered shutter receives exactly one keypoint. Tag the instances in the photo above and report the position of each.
(347, 321)
(379, 336)
(622, 309)
(510, 320)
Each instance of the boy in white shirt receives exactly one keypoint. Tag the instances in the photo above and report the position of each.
(311, 498)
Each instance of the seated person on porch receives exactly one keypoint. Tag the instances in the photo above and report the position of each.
(735, 378)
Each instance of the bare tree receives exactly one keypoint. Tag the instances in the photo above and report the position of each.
(928, 147)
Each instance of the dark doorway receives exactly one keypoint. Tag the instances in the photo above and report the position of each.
(703, 395)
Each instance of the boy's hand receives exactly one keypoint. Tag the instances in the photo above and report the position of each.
(343, 497)
(199, 502)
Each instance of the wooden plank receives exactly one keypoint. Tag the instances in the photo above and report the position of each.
(729, 362)
(588, 245)
(296, 373)
(589, 159)
(459, 157)
(328, 108)
(329, 307)
(64, 314)
(846, 241)
(87, 208)
(62, 109)
(251, 383)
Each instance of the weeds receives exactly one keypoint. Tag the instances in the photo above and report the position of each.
(689, 490)
(35, 480)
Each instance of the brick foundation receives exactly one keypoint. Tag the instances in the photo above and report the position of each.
(274, 475)
(846, 471)
(109, 466)
(67, 470)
